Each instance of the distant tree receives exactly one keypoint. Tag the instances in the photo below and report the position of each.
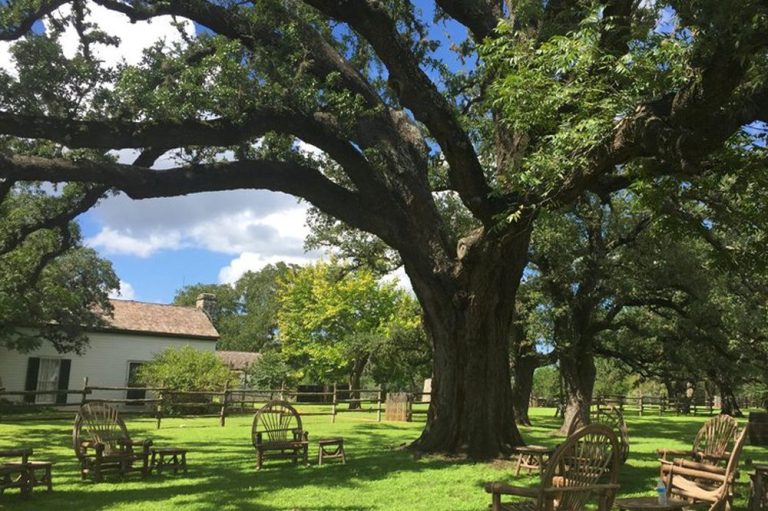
(246, 315)
(332, 320)
(51, 287)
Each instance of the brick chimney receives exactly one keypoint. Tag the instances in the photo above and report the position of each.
(206, 302)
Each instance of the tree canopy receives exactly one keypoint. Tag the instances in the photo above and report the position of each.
(51, 287)
(445, 148)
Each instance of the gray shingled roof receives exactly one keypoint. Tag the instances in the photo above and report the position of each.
(238, 360)
(154, 318)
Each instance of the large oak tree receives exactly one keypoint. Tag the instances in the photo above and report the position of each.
(568, 96)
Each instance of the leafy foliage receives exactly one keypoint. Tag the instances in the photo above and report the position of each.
(333, 321)
(52, 288)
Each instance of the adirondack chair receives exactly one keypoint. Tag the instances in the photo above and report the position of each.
(613, 418)
(15, 475)
(102, 444)
(703, 482)
(711, 442)
(534, 457)
(277, 433)
(582, 470)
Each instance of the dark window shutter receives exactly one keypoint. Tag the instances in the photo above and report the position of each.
(33, 366)
(64, 366)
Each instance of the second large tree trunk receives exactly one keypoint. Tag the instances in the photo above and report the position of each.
(525, 363)
(577, 366)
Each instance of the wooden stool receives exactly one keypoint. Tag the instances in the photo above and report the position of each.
(177, 458)
(40, 474)
(532, 457)
(758, 491)
(331, 448)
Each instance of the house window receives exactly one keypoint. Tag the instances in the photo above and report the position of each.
(47, 375)
(139, 392)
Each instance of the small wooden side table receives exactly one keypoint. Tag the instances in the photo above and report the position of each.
(331, 448)
(532, 457)
(176, 458)
(649, 503)
(758, 489)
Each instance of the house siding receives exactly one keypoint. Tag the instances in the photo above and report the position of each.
(105, 361)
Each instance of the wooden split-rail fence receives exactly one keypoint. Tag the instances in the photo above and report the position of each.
(161, 402)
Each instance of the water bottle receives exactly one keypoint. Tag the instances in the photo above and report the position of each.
(661, 490)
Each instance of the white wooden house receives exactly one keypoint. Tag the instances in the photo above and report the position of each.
(136, 333)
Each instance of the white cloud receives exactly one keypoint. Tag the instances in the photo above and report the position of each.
(134, 37)
(401, 278)
(125, 292)
(6, 62)
(131, 46)
(225, 222)
(249, 261)
(114, 242)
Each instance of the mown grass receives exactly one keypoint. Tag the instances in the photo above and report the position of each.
(379, 474)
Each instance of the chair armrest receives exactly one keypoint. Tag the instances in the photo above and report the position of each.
(505, 489)
(589, 487)
(691, 472)
(674, 452)
(699, 466)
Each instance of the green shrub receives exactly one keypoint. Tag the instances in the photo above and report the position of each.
(186, 369)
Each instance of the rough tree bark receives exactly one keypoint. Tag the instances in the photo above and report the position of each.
(355, 378)
(471, 409)
(525, 362)
(578, 370)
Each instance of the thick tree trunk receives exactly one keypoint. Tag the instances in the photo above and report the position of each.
(354, 382)
(469, 318)
(524, 366)
(577, 367)
(728, 403)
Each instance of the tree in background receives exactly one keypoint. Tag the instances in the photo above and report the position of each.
(51, 287)
(555, 99)
(332, 321)
(246, 315)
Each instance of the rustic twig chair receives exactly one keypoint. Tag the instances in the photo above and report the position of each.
(583, 469)
(614, 419)
(711, 442)
(704, 482)
(277, 433)
(15, 475)
(102, 443)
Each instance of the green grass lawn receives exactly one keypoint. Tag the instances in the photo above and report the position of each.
(378, 474)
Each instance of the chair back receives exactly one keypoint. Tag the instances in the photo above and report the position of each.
(715, 436)
(276, 422)
(614, 419)
(99, 422)
(733, 460)
(590, 456)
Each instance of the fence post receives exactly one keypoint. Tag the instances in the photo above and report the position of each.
(84, 395)
(333, 405)
(160, 407)
(378, 407)
(641, 405)
(223, 413)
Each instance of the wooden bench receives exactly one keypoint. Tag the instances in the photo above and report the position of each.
(277, 433)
